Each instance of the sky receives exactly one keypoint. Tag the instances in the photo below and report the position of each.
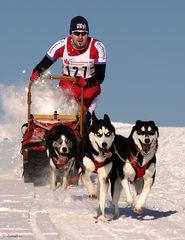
(32, 211)
(144, 40)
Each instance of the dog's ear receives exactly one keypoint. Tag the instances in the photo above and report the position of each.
(155, 127)
(136, 126)
(106, 118)
(152, 123)
(138, 122)
(94, 118)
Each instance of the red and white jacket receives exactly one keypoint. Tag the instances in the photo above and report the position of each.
(78, 62)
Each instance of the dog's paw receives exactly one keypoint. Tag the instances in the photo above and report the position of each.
(101, 218)
(63, 188)
(53, 187)
(138, 210)
(115, 216)
(92, 197)
(116, 213)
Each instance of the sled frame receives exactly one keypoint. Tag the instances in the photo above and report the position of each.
(55, 116)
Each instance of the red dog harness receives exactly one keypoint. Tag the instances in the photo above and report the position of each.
(140, 170)
(98, 165)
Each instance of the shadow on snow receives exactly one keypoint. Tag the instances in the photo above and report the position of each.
(147, 214)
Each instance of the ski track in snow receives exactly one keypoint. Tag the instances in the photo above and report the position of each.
(35, 212)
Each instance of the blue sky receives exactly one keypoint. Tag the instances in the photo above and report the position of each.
(145, 44)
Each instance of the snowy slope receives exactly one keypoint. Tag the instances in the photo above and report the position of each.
(34, 212)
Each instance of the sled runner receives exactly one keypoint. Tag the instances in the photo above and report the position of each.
(33, 144)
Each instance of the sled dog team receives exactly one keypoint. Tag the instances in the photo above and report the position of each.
(120, 161)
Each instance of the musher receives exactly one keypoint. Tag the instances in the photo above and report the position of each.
(83, 57)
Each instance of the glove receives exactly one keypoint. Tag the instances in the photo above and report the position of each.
(34, 76)
(81, 81)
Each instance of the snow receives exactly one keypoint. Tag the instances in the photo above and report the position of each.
(32, 211)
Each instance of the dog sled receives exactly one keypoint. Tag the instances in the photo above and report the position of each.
(33, 144)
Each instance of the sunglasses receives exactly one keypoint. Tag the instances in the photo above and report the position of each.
(77, 33)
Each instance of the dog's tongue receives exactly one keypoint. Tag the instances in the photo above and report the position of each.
(106, 153)
(146, 147)
(61, 160)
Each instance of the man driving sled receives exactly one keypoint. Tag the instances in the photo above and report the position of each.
(83, 57)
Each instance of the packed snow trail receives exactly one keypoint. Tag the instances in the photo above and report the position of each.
(30, 211)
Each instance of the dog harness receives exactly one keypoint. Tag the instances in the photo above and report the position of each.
(140, 170)
(98, 165)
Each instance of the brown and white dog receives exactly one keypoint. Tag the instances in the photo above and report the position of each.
(61, 147)
(134, 163)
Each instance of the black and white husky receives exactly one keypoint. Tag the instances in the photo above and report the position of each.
(95, 151)
(61, 145)
(134, 162)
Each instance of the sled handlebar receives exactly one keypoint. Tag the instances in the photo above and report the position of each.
(68, 78)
